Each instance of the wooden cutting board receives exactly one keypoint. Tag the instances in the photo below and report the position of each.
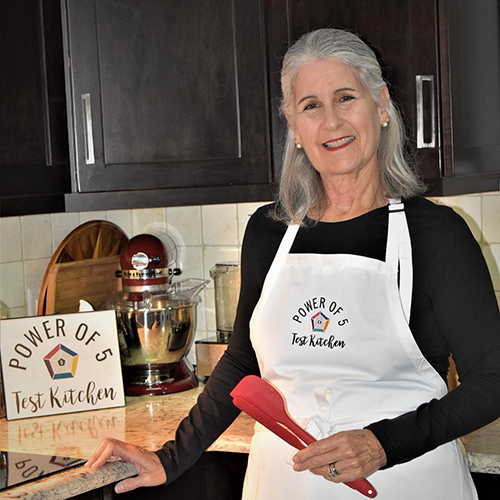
(83, 267)
(93, 280)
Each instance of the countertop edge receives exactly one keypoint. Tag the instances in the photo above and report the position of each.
(482, 447)
(483, 463)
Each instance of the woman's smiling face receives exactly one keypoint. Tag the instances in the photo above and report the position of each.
(335, 119)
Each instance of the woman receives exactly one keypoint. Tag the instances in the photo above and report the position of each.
(351, 302)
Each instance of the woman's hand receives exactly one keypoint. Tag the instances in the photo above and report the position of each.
(149, 468)
(356, 455)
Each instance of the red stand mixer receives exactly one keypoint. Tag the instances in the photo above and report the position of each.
(156, 319)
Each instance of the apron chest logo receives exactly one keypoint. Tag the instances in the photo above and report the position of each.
(319, 314)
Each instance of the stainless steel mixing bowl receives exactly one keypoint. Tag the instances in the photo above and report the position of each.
(159, 335)
(156, 330)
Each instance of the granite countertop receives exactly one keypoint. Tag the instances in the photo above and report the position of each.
(149, 421)
(483, 449)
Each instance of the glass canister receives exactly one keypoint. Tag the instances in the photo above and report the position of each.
(227, 281)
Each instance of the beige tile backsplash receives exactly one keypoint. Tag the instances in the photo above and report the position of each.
(205, 235)
(482, 214)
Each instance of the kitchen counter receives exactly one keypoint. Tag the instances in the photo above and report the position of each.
(483, 449)
(149, 421)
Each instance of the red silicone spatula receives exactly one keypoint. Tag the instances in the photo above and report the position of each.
(265, 404)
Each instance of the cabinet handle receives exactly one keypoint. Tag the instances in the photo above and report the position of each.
(88, 130)
(420, 79)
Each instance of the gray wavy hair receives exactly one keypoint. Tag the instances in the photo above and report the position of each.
(301, 188)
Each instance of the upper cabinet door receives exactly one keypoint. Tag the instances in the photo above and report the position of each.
(166, 94)
(403, 35)
(34, 163)
(470, 34)
(441, 59)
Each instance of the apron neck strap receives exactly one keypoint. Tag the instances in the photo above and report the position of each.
(398, 253)
(282, 253)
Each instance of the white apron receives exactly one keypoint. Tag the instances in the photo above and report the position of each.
(331, 333)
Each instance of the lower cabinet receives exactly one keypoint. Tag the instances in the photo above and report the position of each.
(215, 476)
(486, 484)
(220, 475)
(105, 493)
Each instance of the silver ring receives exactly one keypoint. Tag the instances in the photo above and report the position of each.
(332, 471)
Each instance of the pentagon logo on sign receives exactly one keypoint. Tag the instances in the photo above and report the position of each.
(61, 362)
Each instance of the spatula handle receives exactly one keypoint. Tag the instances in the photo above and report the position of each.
(363, 486)
(276, 419)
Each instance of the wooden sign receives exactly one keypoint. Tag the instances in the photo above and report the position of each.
(60, 364)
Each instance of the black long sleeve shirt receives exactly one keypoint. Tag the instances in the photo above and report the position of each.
(454, 310)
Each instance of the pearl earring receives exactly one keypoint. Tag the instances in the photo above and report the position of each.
(386, 123)
(298, 145)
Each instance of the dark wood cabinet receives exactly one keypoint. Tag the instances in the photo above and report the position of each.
(111, 104)
(166, 95)
(470, 87)
(217, 475)
(151, 103)
(34, 160)
(442, 60)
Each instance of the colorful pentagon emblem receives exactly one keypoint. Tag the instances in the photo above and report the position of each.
(61, 362)
(320, 322)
